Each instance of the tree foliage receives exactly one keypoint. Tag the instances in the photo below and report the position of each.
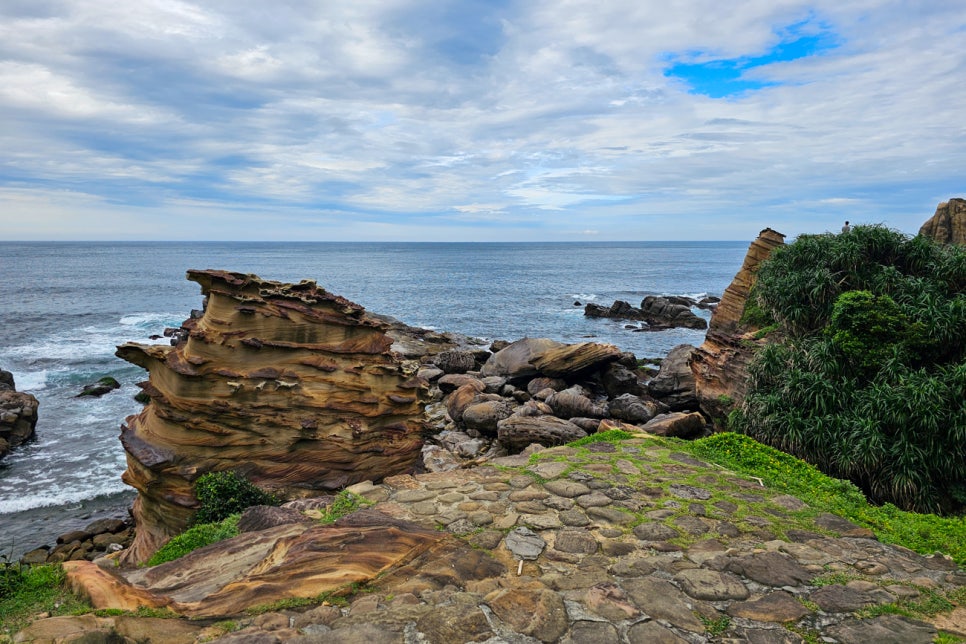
(869, 382)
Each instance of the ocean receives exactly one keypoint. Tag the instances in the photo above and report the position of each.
(64, 307)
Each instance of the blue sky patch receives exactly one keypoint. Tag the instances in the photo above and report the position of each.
(721, 78)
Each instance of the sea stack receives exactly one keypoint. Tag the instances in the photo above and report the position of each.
(292, 387)
(720, 364)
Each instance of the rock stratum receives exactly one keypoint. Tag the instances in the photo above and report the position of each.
(948, 225)
(720, 364)
(289, 385)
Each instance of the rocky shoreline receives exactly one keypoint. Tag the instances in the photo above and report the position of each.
(487, 522)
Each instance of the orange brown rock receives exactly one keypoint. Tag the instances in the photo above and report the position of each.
(720, 364)
(291, 386)
(948, 224)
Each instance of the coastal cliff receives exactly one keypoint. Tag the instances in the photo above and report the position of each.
(948, 224)
(291, 386)
(720, 364)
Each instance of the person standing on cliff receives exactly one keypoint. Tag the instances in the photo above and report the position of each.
(846, 228)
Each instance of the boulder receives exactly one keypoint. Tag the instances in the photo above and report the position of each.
(677, 424)
(513, 362)
(574, 402)
(619, 379)
(674, 383)
(484, 416)
(633, 409)
(454, 361)
(669, 312)
(948, 224)
(18, 417)
(459, 400)
(6, 381)
(517, 432)
(291, 386)
(571, 360)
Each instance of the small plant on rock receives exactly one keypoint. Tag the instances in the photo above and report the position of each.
(222, 494)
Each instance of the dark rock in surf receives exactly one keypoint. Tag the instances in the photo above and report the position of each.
(99, 388)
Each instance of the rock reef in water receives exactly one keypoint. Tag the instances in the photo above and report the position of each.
(291, 386)
(18, 414)
(948, 224)
(720, 364)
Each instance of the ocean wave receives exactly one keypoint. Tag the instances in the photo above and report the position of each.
(46, 499)
(584, 296)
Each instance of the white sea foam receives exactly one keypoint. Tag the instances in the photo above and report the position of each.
(30, 381)
(64, 496)
(584, 296)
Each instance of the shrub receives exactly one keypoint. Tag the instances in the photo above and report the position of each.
(196, 537)
(222, 494)
(868, 378)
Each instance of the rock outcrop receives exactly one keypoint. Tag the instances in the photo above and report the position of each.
(629, 542)
(720, 364)
(18, 414)
(291, 386)
(656, 312)
(948, 225)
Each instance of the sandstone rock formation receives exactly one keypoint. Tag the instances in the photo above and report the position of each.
(720, 364)
(291, 386)
(18, 414)
(948, 224)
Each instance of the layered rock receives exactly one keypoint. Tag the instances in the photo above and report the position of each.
(291, 386)
(948, 224)
(18, 414)
(720, 364)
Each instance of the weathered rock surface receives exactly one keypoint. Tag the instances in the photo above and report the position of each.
(720, 364)
(674, 382)
(293, 387)
(18, 415)
(948, 224)
(444, 567)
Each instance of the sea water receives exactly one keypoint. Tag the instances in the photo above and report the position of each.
(65, 306)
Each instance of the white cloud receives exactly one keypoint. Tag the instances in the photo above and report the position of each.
(510, 116)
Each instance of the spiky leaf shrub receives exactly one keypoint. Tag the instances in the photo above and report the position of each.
(222, 494)
(869, 381)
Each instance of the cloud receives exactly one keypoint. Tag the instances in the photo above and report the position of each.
(472, 120)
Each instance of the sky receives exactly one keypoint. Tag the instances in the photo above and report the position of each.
(473, 120)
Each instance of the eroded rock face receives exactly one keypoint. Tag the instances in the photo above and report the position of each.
(293, 387)
(720, 364)
(18, 414)
(948, 225)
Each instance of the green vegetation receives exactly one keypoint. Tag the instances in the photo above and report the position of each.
(222, 494)
(924, 533)
(196, 537)
(610, 436)
(869, 378)
(28, 590)
(345, 502)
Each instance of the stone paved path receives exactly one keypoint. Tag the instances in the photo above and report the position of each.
(643, 544)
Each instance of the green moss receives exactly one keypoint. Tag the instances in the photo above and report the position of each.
(196, 537)
(924, 533)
